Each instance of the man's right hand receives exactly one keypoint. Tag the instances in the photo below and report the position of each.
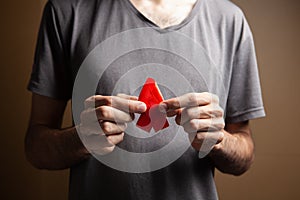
(104, 120)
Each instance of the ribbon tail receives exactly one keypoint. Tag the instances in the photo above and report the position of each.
(144, 122)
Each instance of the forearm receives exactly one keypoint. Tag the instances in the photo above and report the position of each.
(52, 149)
(235, 154)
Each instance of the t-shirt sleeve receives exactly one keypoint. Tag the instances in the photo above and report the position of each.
(244, 97)
(50, 73)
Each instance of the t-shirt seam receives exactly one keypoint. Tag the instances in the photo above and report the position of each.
(245, 112)
(40, 89)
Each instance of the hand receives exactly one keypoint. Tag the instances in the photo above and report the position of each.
(201, 117)
(104, 120)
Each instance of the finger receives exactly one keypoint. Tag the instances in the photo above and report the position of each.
(96, 100)
(189, 100)
(129, 97)
(111, 128)
(199, 112)
(172, 113)
(104, 150)
(205, 141)
(214, 137)
(130, 106)
(116, 139)
(92, 115)
(127, 105)
(108, 113)
(197, 125)
(90, 129)
(89, 118)
(104, 128)
(98, 143)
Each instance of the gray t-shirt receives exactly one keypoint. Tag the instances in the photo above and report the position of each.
(221, 40)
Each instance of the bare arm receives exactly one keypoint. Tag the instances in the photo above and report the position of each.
(47, 146)
(235, 154)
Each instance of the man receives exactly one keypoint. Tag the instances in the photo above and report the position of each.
(71, 29)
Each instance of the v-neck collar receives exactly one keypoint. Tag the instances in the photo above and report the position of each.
(142, 17)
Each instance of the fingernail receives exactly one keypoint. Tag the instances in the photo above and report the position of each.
(142, 107)
(162, 108)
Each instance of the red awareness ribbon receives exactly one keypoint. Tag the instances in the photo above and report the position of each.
(152, 118)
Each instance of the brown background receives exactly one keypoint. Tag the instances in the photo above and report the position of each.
(275, 174)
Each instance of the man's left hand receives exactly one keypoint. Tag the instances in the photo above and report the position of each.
(201, 117)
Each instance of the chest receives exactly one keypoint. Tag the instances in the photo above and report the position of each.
(193, 54)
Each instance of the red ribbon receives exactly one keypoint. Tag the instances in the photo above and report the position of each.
(152, 118)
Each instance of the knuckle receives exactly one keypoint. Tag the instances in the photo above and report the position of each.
(130, 106)
(193, 99)
(219, 113)
(108, 149)
(222, 124)
(111, 139)
(93, 97)
(107, 100)
(205, 126)
(122, 137)
(199, 136)
(124, 127)
(215, 98)
(115, 139)
(207, 97)
(188, 113)
(194, 125)
(174, 103)
(83, 115)
(210, 98)
(88, 102)
(106, 127)
(219, 124)
(210, 113)
(204, 111)
(104, 112)
(214, 111)
(127, 119)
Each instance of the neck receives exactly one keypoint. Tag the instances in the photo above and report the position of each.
(164, 13)
(164, 2)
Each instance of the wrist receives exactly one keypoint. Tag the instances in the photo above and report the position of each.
(82, 150)
(220, 148)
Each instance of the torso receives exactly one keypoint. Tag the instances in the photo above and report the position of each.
(207, 33)
(164, 13)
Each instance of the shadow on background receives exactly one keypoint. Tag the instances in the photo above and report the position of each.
(274, 175)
